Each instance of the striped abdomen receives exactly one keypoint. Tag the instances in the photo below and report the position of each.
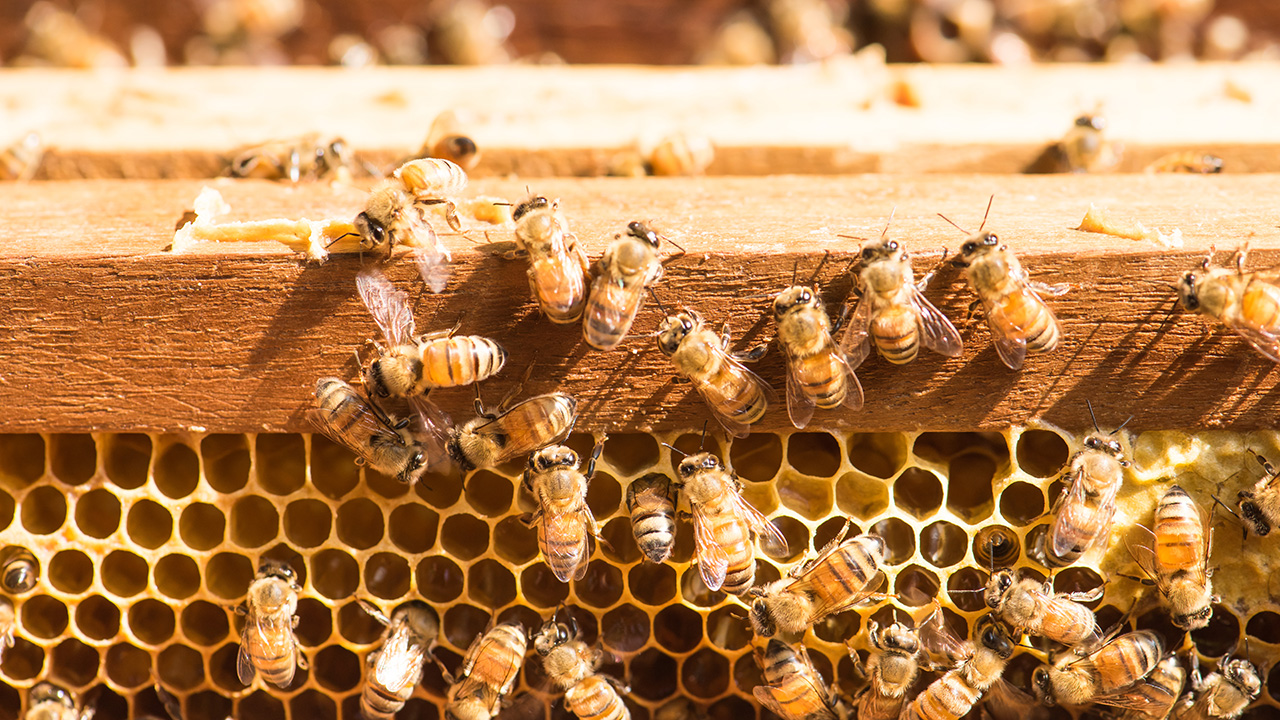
(1158, 691)
(458, 360)
(379, 703)
(594, 698)
(563, 540)
(948, 698)
(734, 538)
(274, 661)
(1122, 662)
(895, 332)
(653, 518)
(823, 377)
(1024, 315)
(791, 684)
(611, 308)
(842, 577)
(1180, 538)
(875, 706)
(533, 424)
(560, 287)
(1260, 306)
(732, 389)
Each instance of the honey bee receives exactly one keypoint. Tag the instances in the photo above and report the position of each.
(312, 156)
(630, 264)
(793, 689)
(892, 668)
(1224, 695)
(1031, 607)
(1260, 507)
(395, 668)
(1082, 513)
(21, 160)
(396, 213)
(681, 154)
(725, 525)
(1187, 161)
(893, 312)
(817, 375)
(679, 709)
(1155, 696)
(47, 701)
(391, 446)
(267, 643)
(1248, 303)
(1085, 150)
(736, 396)
(1019, 319)
(653, 516)
(566, 527)
(446, 140)
(487, 675)
(1103, 674)
(509, 431)
(953, 695)
(414, 365)
(1178, 559)
(8, 621)
(557, 265)
(842, 575)
(19, 570)
(571, 665)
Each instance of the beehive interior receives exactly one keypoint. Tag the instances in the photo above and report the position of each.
(146, 543)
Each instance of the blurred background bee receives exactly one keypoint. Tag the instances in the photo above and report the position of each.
(1019, 319)
(1155, 696)
(652, 508)
(510, 431)
(396, 214)
(395, 447)
(8, 621)
(447, 140)
(892, 668)
(631, 263)
(1260, 506)
(571, 666)
(1178, 559)
(1222, 695)
(1104, 674)
(21, 160)
(981, 664)
(725, 525)
(411, 365)
(1188, 161)
(679, 708)
(19, 570)
(1082, 513)
(558, 266)
(793, 689)
(892, 312)
(310, 157)
(736, 396)
(566, 527)
(844, 573)
(818, 375)
(1085, 149)
(395, 668)
(1030, 607)
(1248, 303)
(47, 701)
(267, 643)
(681, 154)
(488, 673)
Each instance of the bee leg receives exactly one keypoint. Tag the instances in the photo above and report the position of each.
(530, 519)
(299, 658)
(1096, 593)
(973, 309)
(751, 355)
(923, 283)
(1241, 253)
(1047, 289)
(595, 455)
(451, 215)
(444, 671)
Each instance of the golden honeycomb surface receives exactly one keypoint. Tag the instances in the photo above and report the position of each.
(147, 543)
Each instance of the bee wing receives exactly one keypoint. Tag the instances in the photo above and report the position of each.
(1010, 344)
(800, 405)
(277, 642)
(432, 263)
(614, 304)
(768, 534)
(856, 341)
(1075, 497)
(712, 561)
(369, 423)
(434, 427)
(1005, 701)
(1144, 555)
(716, 399)
(388, 306)
(1263, 341)
(772, 698)
(936, 331)
(939, 641)
(398, 662)
(244, 664)
(569, 523)
(853, 396)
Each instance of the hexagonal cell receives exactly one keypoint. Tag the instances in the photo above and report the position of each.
(861, 496)
(683, 550)
(412, 527)
(22, 661)
(746, 674)
(204, 623)
(98, 618)
(208, 705)
(177, 471)
(1220, 636)
(461, 625)
(226, 461)
(626, 628)
(124, 574)
(439, 579)
(677, 628)
(359, 523)
(315, 622)
(177, 576)
(631, 453)
(110, 705)
(1042, 453)
(7, 508)
(727, 630)
(969, 483)
(965, 588)
(464, 537)
(202, 526)
(917, 491)
(939, 447)
(653, 675)
(254, 521)
(73, 458)
(437, 491)
(21, 459)
(831, 529)
(943, 544)
(1261, 712)
(877, 454)
(127, 459)
(705, 673)
(281, 463)
(916, 586)
(601, 586)
(44, 510)
(1265, 626)
(1158, 621)
(488, 493)
(1021, 503)
(357, 626)
(652, 584)
(541, 587)
(128, 666)
(71, 571)
(761, 496)
(43, 617)
(490, 584)
(835, 628)
(151, 621)
(696, 592)
(619, 544)
(757, 457)
(996, 546)
(334, 574)
(796, 535)
(73, 663)
(333, 468)
(811, 497)
(814, 453)
(148, 524)
(1076, 580)
(261, 705)
(387, 487)
(386, 575)
(336, 669)
(312, 704)
(604, 495)
(899, 540)
(228, 575)
(307, 522)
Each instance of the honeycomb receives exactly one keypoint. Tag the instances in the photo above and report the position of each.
(146, 543)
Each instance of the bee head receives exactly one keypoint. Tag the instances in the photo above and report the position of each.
(898, 637)
(979, 243)
(46, 692)
(528, 206)
(1104, 443)
(374, 380)
(278, 569)
(1241, 673)
(554, 456)
(1094, 122)
(372, 232)
(762, 616)
(1043, 685)
(1252, 514)
(413, 467)
(993, 637)
(997, 587)
(700, 462)
(637, 229)
(1193, 620)
(1188, 294)
(793, 298)
(550, 636)
(673, 331)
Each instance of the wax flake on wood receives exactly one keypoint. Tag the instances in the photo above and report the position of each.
(1100, 220)
(314, 239)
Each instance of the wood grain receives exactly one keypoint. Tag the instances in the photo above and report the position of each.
(837, 117)
(102, 329)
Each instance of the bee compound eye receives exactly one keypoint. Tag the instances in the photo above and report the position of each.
(893, 245)
(867, 253)
(968, 247)
(992, 239)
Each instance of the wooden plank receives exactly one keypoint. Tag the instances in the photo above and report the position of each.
(837, 117)
(101, 329)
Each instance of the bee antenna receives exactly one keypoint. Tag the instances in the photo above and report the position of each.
(1126, 422)
(1225, 507)
(674, 449)
(944, 217)
(331, 242)
(658, 302)
(1092, 416)
(988, 212)
(794, 269)
(888, 222)
(826, 254)
(703, 441)
(673, 242)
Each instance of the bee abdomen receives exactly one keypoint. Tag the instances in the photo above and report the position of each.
(655, 534)
(875, 706)
(822, 377)
(595, 699)
(565, 552)
(947, 698)
(607, 320)
(896, 337)
(739, 577)
(743, 400)
(461, 360)
(377, 703)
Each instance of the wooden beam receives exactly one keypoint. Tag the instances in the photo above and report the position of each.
(102, 329)
(837, 117)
